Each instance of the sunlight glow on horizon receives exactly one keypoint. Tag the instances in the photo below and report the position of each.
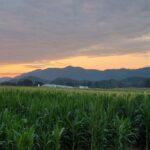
(99, 63)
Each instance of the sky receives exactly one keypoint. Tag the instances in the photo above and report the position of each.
(96, 34)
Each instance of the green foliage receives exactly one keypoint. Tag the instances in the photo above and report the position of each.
(57, 119)
(147, 83)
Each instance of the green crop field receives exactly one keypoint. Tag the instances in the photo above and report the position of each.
(72, 119)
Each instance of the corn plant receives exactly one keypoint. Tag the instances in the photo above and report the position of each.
(72, 119)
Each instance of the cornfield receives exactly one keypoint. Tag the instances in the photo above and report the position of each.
(59, 119)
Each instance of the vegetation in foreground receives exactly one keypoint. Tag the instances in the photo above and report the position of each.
(54, 119)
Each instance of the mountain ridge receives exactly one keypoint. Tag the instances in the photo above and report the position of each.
(4, 79)
(79, 73)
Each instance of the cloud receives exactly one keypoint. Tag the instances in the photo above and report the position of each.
(144, 38)
(8, 74)
(32, 30)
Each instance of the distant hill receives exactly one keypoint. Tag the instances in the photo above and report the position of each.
(78, 73)
(111, 83)
(25, 81)
(76, 76)
(4, 79)
(31, 78)
(138, 82)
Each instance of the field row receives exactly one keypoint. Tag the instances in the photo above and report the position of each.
(55, 119)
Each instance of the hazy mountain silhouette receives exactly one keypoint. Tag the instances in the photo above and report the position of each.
(4, 79)
(78, 73)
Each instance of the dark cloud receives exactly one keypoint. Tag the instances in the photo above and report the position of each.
(32, 30)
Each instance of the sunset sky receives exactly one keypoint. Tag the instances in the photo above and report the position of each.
(97, 34)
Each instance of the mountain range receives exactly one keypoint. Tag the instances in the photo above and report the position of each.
(81, 74)
(5, 79)
(78, 73)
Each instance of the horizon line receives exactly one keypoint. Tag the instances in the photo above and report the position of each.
(14, 75)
